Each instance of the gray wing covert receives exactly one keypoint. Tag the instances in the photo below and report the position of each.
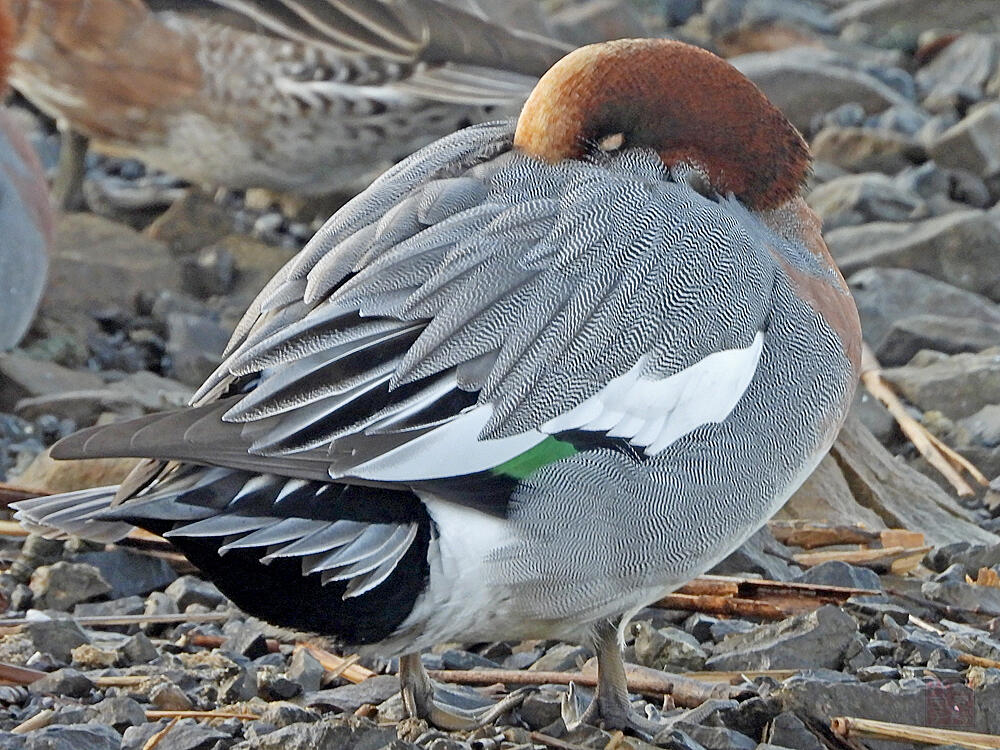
(456, 324)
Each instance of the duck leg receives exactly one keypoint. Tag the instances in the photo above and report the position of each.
(425, 700)
(67, 187)
(611, 706)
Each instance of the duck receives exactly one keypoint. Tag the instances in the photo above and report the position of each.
(293, 97)
(539, 374)
(26, 223)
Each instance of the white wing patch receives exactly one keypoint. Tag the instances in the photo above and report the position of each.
(648, 412)
(655, 413)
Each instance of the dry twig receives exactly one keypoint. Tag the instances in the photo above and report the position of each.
(940, 456)
(339, 666)
(154, 715)
(157, 738)
(850, 726)
(38, 721)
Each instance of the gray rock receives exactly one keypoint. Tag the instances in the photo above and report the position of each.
(73, 737)
(457, 659)
(727, 16)
(119, 712)
(239, 685)
(984, 599)
(541, 708)
(305, 669)
(972, 144)
(761, 554)
(167, 696)
(188, 590)
(187, 734)
(895, 19)
(887, 295)
(330, 732)
(64, 584)
(350, 698)
(10, 741)
(826, 494)
(788, 730)
(276, 687)
(940, 333)
(969, 62)
(724, 628)
(63, 682)
(957, 386)
(867, 149)
(209, 273)
(195, 344)
(130, 573)
(838, 573)
(596, 21)
(138, 649)
(817, 639)
(248, 640)
(956, 248)
(984, 426)
(667, 649)
(804, 82)
(716, 738)
(55, 637)
(23, 377)
(563, 657)
(282, 714)
(128, 605)
(858, 199)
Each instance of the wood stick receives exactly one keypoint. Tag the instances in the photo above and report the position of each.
(555, 743)
(722, 605)
(38, 721)
(869, 558)
(938, 455)
(338, 665)
(15, 675)
(976, 661)
(811, 534)
(12, 493)
(215, 641)
(99, 620)
(154, 715)
(851, 726)
(157, 738)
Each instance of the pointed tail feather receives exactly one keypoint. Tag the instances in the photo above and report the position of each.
(72, 514)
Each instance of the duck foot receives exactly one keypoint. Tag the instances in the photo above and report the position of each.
(423, 699)
(611, 707)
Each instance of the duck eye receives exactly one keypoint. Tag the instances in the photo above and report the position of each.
(611, 142)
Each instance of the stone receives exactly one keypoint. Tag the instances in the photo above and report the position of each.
(984, 599)
(23, 377)
(193, 222)
(907, 18)
(329, 732)
(716, 738)
(887, 295)
(858, 199)
(73, 737)
(210, 273)
(129, 573)
(564, 657)
(167, 696)
(89, 656)
(668, 649)
(64, 584)
(838, 573)
(805, 82)
(282, 714)
(119, 712)
(908, 336)
(957, 248)
(973, 143)
(350, 698)
(984, 426)
(596, 21)
(248, 640)
(129, 605)
(788, 730)
(188, 590)
(826, 496)
(305, 669)
(817, 639)
(761, 554)
(187, 734)
(867, 149)
(138, 649)
(957, 386)
(453, 658)
(969, 62)
(901, 496)
(97, 263)
(69, 682)
(55, 637)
